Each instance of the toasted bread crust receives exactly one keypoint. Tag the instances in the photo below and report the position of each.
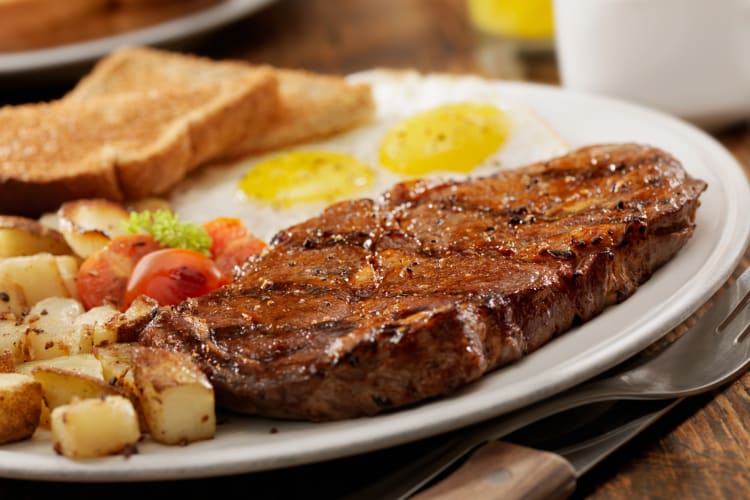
(203, 133)
(312, 106)
(124, 146)
(31, 197)
(143, 69)
(144, 118)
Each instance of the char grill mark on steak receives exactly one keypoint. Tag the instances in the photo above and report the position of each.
(379, 304)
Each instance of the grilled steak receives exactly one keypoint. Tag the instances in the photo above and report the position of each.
(374, 305)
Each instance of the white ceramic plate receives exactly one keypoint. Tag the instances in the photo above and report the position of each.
(673, 293)
(69, 60)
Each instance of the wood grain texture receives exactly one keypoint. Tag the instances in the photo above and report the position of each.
(700, 450)
(508, 471)
(339, 36)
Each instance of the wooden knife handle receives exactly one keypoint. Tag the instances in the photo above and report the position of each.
(507, 471)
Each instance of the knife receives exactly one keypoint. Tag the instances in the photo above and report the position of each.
(542, 460)
(511, 470)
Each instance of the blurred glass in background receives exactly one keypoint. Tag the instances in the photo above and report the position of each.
(690, 58)
(515, 38)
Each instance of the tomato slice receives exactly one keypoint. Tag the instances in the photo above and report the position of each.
(172, 275)
(103, 277)
(232, 243)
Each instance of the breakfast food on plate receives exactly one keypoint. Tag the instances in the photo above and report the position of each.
(20, 406)
(311, 105)
(129, 146)
(405, 260)
(424, 126)
(86, 428)
(145, 118)
(21, 236)
(374, 305)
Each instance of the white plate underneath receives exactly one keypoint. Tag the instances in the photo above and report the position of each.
(672, 294)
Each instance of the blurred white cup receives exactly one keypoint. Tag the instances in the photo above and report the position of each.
(690, 58)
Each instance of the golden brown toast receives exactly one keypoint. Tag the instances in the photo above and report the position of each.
(313, 106)
(128, 145)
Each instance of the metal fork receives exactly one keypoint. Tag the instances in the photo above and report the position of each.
(714, 350)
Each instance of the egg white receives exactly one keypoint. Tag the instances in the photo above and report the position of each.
(213, 192)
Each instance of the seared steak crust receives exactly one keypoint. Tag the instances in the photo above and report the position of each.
(379, 304)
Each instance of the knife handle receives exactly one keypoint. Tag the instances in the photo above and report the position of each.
(508, 471)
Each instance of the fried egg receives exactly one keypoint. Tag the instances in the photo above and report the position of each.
(434, 126)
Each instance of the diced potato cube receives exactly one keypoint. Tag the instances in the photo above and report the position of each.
(60, 387)
(92, 327)
(85, 364)
(13, 337)
(94, 427)
(22, 236)
(128, 325)
(20, 406)
(7, 361)
(12, 298)
(50, 220)
(116, 360)
(51, 328)
(40, 276)
(88, 225)
(44, 417)
(68, 266)
(176, 396)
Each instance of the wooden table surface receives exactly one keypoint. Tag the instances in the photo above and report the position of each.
(700, 450)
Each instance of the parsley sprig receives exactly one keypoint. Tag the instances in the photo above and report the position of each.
(167, 228)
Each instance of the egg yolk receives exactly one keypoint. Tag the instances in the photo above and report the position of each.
(305, 176)
(451, 138)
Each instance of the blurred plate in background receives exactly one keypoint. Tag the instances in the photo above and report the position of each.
(68, 62)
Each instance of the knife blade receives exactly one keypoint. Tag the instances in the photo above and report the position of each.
(510, 469)
(586, 448)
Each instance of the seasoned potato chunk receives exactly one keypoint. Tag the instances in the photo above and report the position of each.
(21, 236)
(51, 329)
(116, 360)
(94, 427)
(88, 225)
(13, 337)
(60, 387)
(7, 361)
(12, 298)
(20, 406)
(176, 396)
(128, 325)
(40, 276)
(85, 364)
(93, 329)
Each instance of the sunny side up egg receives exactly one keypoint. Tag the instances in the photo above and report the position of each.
(425, 126)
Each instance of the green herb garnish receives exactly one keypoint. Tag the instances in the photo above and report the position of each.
(169, 230)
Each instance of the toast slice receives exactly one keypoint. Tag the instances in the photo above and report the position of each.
(124, 146)
(312, 106)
